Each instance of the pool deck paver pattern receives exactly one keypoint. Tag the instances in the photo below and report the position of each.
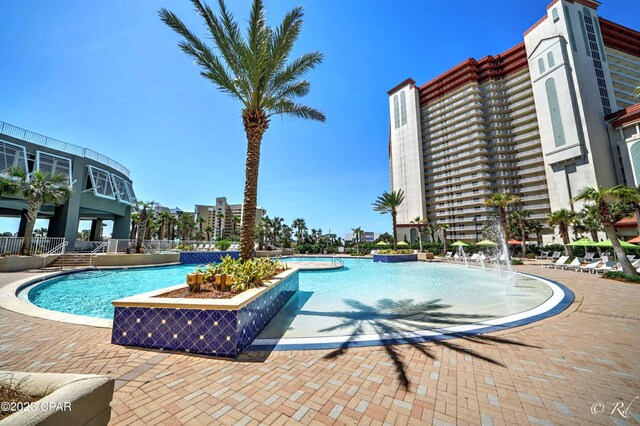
(588, 354)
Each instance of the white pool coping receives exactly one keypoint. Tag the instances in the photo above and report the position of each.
(14, 297)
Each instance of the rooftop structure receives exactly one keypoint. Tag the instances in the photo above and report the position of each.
(102, 189)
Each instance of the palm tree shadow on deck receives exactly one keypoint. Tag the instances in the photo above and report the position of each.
(389, 317)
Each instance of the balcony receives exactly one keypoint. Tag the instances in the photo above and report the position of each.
(526, 136)
(539, 170)
(462, 179)
(461, 155)
(527, 189)
(435, 152)
(459, 164)
(447, 135)
(531, 161)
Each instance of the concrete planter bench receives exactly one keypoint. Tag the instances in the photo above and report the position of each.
(394, 258)
(219, 327)
(71, 399)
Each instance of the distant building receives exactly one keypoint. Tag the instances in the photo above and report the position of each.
(367, 237)
(220, 217)
(542, 120)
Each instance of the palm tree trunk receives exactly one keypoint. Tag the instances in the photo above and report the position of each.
(504, 223)
(627, 267)
(523, 234)
(637, 209)
(565, 240)
(255, 124)
(32, 215)
(444, 240)
(420, 240)
(395, 233)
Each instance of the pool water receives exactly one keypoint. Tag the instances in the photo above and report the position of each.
(362, 298)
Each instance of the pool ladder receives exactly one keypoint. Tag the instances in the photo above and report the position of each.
(335, 260)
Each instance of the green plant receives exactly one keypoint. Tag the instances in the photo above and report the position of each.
(184, 247)
(399, 251)
(516, 262)
(223, 245)
(621, 276)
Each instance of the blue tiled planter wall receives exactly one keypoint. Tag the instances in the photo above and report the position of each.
(223, 333)
(204, 257)
(393, 258)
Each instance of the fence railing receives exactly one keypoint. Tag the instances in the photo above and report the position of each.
(157, 246)
(39, 245)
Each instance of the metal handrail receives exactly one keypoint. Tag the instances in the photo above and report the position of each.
(29, 136)
(59, 248)
(335, 259)
(99, 248)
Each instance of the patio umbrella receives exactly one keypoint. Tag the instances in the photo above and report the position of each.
(381, 243)
(584, 242)
(635, 240)
(607, 243)
(459, 243)
(514, 242)
(402, 243)
(486, 243)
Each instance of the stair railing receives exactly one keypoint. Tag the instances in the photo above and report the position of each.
(57, 250)
(102, 247)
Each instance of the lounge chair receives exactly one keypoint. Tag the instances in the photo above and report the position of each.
(588, 256)
(448, 255)
(588, 267)
(556, 255)
(543, 255)
(456, 258)
(574, 264)
(610, 265)
(631, 257)
(561, 261)
(474, 257)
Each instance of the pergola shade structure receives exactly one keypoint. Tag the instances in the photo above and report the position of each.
(12, 156)
(52, 164)
(99, 182)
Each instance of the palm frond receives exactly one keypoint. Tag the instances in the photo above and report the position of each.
(287, 107)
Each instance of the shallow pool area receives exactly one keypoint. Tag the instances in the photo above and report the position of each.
(364, 302)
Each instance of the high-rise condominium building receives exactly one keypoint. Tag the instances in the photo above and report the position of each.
(223, 218)
(543, 120)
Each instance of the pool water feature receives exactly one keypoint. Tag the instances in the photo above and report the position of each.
(362, 299)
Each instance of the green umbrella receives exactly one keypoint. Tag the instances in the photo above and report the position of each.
(381, 243)
(486, 243)
(459, 243)
(607, 243)
(402, 243)
(584, 242)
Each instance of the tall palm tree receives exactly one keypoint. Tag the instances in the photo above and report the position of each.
(563, 219)
(501, 201)
(236, 221)
(37, 188)
(300, 226)
(389, 202)
(432, 228)
(276, 229)
(535, 227)
(143, 221)
(521, 220)
(606, 199)
(208, 230)
(256, 71)
(591, 221)
(444, 227)
(357, 232)
(420, 222)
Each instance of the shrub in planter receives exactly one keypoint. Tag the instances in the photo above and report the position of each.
(223, 245)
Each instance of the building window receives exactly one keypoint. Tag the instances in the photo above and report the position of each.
(12, 156)
(396, 111)
(51, 165)
(569, 27)
(99, 182)
(550, 59)
(554, 15)
(403, 108)
(596, 54)
(554, 110)
(541, 65)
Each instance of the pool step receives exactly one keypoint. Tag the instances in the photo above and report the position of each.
(72, 260)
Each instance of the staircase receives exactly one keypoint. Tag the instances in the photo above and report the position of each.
(73, 260)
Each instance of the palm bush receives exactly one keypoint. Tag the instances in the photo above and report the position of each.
(37, 188)
(389, 202)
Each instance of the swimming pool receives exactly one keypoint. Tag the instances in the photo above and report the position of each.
(364, 296)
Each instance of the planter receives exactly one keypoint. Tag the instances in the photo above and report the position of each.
(426, 256)
(70, 399)
(220, 327)
(395, 258)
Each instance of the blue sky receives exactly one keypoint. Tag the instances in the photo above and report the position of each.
(109, 76)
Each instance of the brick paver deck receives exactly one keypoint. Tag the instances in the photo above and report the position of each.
(549, 372)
